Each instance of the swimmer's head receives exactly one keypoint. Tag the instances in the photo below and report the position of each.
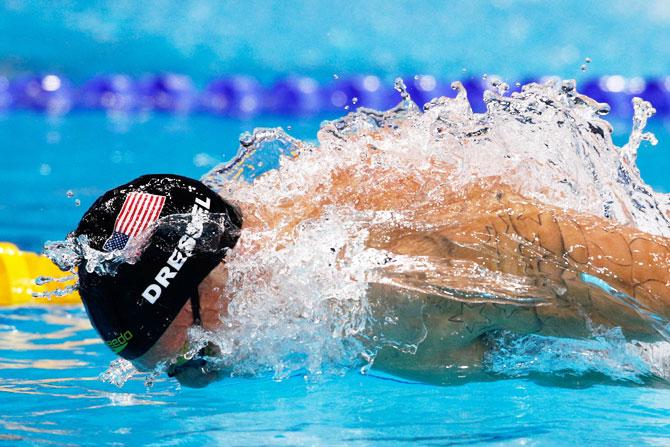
(179, 231)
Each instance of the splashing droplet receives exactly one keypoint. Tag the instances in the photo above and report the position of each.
(603, 109)
(401, 88)
(643, 111)
(41, 280)
(587, 60)
(568, 86)
(500, 86)
(246, 139)
(77, 202)
(118, 373)
(69, 194)
(354, 100)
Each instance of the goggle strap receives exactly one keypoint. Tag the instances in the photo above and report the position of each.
(195, 307)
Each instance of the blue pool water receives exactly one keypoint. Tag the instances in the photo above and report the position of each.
(513, 38)
(50, 361)
(88, 153)
(50, 358)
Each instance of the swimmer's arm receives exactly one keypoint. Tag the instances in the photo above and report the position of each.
(634, 263)
(564, 247)
(506, 233)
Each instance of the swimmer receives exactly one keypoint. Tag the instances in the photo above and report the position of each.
(485, 231)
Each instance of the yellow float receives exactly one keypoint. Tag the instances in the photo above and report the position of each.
(18, 271)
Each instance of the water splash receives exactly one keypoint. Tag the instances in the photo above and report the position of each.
(119, 372)
(607, 353)
(546, 129)
(259, 152)
(311, 310)
(294, 319)
(401, 88)
(643, 111)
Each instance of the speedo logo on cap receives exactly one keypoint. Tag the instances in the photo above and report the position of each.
(180, 254)
(119, 343)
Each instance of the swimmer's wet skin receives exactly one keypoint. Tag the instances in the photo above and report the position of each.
(144, 311)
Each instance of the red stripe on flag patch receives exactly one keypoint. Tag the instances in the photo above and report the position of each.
(139, 210)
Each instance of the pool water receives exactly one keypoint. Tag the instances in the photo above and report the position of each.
(512, 38)
(51, 359)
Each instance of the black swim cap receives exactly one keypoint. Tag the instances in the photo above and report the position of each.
(132, 308)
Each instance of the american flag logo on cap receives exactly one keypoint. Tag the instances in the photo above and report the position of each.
(139, 210)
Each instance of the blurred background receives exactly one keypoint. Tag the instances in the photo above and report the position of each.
(96, 92)
(268, 39)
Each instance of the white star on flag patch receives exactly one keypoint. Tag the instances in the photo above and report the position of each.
(139, 210)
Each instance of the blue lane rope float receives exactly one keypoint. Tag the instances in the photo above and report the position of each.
(245, 97)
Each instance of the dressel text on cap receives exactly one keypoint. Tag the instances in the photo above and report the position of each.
(180, 254)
